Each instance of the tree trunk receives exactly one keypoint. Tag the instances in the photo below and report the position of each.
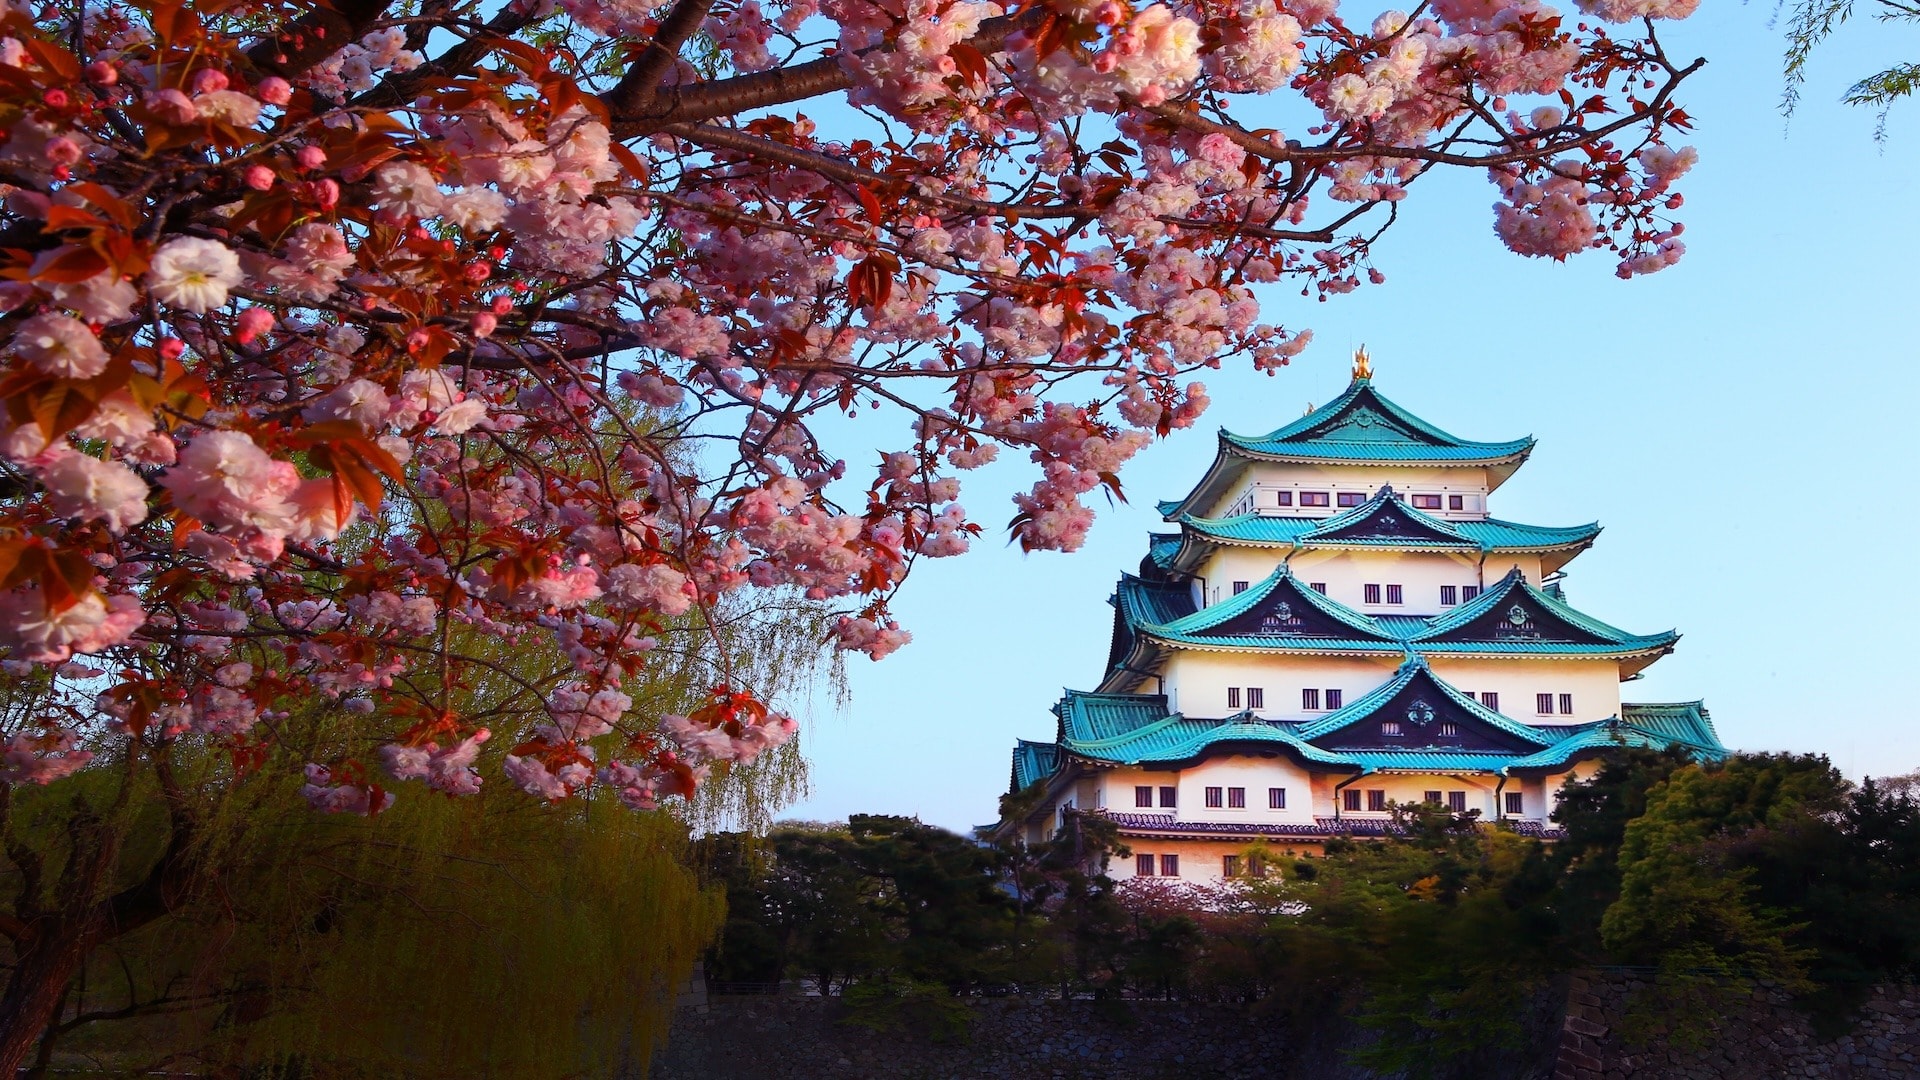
(49, 953)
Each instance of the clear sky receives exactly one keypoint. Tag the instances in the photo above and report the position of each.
(1744, 424)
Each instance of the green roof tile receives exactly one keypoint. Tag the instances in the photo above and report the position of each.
(1363, 425)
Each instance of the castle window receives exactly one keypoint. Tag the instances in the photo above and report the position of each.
(1233, 697)
(1318, 586)
(1426, 502)
(1239, 587)
(1169, 866)
(1143, 866)
(1449, 595)
(1390, 728)
(1143, 795)
(1313, 498)
(1334, 697)
(1490, 699)
(1256, 698)
(1449, 730)
(1351, 498)
(1372, 594)
(1376, 799)
(1432, 798)
(1229, 866)
(1468, 592)
(1457, 801)
(1396, 595)
(1566, 704)
(1310, 700)
(1276, 798)
(1167, 796)
(1213, 798)
(1256, 866)
(1350, 799)
(1543, 704)
(1236, 798)
(1516, 803)
(1456, 502)
(1283, 498)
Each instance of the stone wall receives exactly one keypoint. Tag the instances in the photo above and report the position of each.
(1765, 1038)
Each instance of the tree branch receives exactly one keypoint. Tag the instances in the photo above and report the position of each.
(313, 37)
(636, 88)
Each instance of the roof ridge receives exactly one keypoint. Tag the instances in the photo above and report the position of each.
(1213, 615)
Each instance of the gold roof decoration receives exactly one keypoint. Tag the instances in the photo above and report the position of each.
(1362, 363)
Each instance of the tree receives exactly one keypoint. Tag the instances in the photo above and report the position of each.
(341, 338)
(1813, 21)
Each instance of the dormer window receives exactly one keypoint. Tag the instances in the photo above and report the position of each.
(1313, 498)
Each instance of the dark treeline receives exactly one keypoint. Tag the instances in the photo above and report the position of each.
(1706, 879)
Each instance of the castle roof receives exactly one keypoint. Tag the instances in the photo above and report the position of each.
(1360, 427)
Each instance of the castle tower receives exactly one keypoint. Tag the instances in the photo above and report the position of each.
(1339, 625)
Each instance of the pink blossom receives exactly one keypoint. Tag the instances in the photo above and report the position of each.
(60, 345)
(193, 274)
(85, 487)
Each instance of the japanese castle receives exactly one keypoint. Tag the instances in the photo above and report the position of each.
(1338, 626)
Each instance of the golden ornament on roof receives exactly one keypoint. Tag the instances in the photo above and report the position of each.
(1362, 363)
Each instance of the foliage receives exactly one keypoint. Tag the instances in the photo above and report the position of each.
(1812, 22)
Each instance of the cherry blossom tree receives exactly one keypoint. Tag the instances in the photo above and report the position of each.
(338, 335)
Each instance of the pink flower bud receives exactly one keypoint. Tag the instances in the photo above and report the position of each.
(253, 322)
(484, 324)
(101, 73)
(207, 80)
(477, 271)
(274, 90)
(259, 177)
(55, 98)
(327, 194)
(311, 157)
(171, 348)
(502, 304)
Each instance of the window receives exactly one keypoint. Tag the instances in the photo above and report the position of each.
(1310, 700)
(1350, 799)
(1449, 730)
(1213, 798)
(1236, 798)
(1318, 586)
(1233, 697)
(1334, 698)
(1283, 498)
(1256, 866)
(1276, 798)
(1167, 796)
(1390, 728)
(1468, 592)
(1426, 502)
(1457, 801)
(1432, 798)
(1169, 866)
(1143, 866)
(1516, 803)
(1449, 595)
(1351, 498)
(1396, 595)
(1313, 498)
(1490, 699)
(1230, 866)
(1239, 587)
(1143, 795)
(1566, 704)
(1543, 704)
(1456, 502)
(1372, 594)
(1256, 698)
(1376, 799)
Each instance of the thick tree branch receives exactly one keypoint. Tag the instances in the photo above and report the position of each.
(636, 89)
(313, 37)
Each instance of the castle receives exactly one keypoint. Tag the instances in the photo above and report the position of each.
(1338, 626)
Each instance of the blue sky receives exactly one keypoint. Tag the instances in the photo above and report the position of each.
(1743, 424)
